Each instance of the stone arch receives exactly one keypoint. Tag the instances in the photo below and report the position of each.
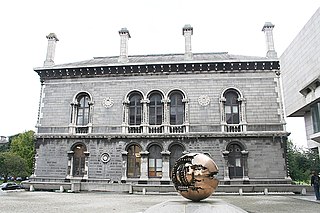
(236, 166)
(78, 161)
(176, 151)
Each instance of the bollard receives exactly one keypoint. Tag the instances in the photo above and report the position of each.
(303, 191)
(130, 189)
(265, 191)
(240, 192)
(61, 189)
(31, 188)
(144, 191)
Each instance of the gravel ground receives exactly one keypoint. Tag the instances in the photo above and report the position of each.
(47, 202)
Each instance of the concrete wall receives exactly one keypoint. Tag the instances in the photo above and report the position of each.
(300, 65)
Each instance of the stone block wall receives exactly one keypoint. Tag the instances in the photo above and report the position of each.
(258, 89)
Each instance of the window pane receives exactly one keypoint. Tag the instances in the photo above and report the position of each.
(235, 109)
(228, 109)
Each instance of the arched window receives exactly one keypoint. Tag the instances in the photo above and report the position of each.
(79, 159)
(135, 109)
(176, 151)
(155, 109)
(134, 161)
(83, 109)
(176, 109)
(232, 107)
(235, 161)
(155, 161)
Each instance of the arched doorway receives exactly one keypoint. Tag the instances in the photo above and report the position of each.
(235, 161)
(134, 161)
(155, 161)
(79, 159)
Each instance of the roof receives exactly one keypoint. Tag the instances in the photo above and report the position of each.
(159, 59)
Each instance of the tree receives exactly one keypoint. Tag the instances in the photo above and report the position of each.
(12, 165)
(23, 146)
(301, 162)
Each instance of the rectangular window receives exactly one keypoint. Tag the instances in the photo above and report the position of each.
(315, 113)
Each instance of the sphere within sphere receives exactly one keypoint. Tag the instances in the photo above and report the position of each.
(194, 176)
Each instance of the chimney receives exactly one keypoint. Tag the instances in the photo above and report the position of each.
(267, 29)
(187, 31)
(124, 37)
(52, 40)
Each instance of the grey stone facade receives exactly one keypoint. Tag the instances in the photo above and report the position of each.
(202, 79)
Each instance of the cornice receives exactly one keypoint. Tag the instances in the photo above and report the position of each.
(158, 69)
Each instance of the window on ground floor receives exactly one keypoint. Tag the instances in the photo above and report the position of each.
(134, 161)
(155, 161)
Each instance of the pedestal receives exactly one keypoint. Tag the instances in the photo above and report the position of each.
(207, 206)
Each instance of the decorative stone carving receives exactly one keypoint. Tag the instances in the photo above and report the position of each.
(204, 100)
(107, 102)
(105, 157)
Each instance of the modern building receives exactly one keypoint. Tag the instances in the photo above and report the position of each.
(300, 68)
(128, 118)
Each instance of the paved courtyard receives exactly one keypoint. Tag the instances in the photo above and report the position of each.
(30, 202)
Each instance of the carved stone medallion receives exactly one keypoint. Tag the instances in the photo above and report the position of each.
(105, 157)
(107, 102)
(204, 100)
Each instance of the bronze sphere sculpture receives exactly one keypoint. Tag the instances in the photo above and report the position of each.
(194, 176)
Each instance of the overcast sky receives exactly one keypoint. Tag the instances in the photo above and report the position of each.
(88, 29)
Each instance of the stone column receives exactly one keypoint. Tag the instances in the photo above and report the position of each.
(145, 115)
(244, 154)
(243, 120)
(70, 164)
(165, 165)
(166, 115)
(125, 117)
(86, 165)
(186, 114)
(144, 165)
(90, 103)
(124, 166)
(225, 166)
(222, 102)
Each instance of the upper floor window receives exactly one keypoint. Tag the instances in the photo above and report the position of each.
(155, 109)
(232, 107)
(176, 109)
(83, 109)
(135, 109)
(315, 113)
(81, 118)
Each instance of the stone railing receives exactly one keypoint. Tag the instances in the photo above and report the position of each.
(233, 128)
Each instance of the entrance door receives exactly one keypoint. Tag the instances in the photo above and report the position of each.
(235, 161)
(79, 161)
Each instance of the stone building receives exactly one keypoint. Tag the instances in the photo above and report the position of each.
(128, 118)
(301, 79)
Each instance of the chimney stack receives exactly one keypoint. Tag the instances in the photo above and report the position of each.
(124, 37)
(187, 31)
(267, 29)
(52, 40)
